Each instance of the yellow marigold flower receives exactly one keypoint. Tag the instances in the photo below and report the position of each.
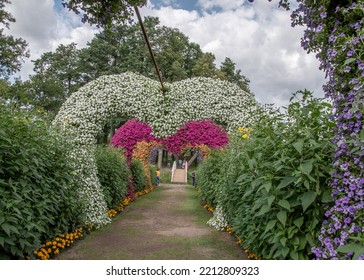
(244, 136)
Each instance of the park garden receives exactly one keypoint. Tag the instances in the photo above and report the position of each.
(287, 184)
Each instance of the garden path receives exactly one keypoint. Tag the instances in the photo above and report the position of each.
(167, 223)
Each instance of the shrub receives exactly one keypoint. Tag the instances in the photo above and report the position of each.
(38, 197)
(276, 180)
(210, 177)
(139, 177)
(113, 173)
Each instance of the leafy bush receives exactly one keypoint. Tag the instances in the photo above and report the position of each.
(140, 179)
(210, 176)
(113, 173)
(38, 197)
(153, 176)
(276, 180)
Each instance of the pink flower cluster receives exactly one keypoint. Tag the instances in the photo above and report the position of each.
(196, 133)
(129, 134)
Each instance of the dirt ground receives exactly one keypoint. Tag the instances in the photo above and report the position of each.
(168, 223)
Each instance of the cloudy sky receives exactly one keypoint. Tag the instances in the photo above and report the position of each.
(258, 37)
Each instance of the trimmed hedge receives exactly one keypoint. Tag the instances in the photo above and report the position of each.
(38, 199)
(139, 176)
(211, 176)
(113, 173)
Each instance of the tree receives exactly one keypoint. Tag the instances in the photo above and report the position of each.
(61, 65)
(13, 51)
(205, 66)
(124, 49)
(104, 13)
(228, 71)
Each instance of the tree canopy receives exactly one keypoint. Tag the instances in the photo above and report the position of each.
(104, 13)
(13, 51)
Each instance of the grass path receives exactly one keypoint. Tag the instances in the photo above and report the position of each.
(168, 223)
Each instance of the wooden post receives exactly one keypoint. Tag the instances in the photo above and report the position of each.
(160, 158)
(149, 48)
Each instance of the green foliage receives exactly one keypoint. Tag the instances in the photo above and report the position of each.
(12, 50)
(38, 199)
(62, 66)
(211, 177)
(113, 173)
(104, 13)
(275, 182)
(140, 179)
(153, 176)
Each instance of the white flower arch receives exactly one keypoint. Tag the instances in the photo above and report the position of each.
(86, 111)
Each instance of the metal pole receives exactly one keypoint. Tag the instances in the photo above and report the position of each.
(149, 47)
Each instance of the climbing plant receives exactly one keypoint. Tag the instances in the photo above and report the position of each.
(86, 111)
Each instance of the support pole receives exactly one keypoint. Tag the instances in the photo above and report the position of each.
(149, 47)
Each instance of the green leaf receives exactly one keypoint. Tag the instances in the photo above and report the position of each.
(270, 200)
(307, 199)
(293, 255)
(283, 241)
(282, 217)
(270, 225)
(326, 197)
(285, 251)
(286, 181)
(299, 146)
(1, 241)
(348, 248)
(265, 209)
(361, 134)
(267, 186)
(285, 204)
(306, 166)
(349, 60)
(6, 228)
(298, 222)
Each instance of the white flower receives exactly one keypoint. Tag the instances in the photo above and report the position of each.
(86, 111)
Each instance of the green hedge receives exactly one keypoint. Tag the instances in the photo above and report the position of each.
(140, 179)
(210, 176)
(113, 173)
(275, 184)
(37, 194)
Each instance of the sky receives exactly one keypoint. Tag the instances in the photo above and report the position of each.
(257, 36)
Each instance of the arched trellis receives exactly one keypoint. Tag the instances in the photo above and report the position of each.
(86, 111)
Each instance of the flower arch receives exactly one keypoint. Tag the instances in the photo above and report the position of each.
(196, 133)
(85, 112)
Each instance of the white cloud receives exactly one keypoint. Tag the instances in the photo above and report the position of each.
(44, 29)
(258, 37)
(223, 4)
